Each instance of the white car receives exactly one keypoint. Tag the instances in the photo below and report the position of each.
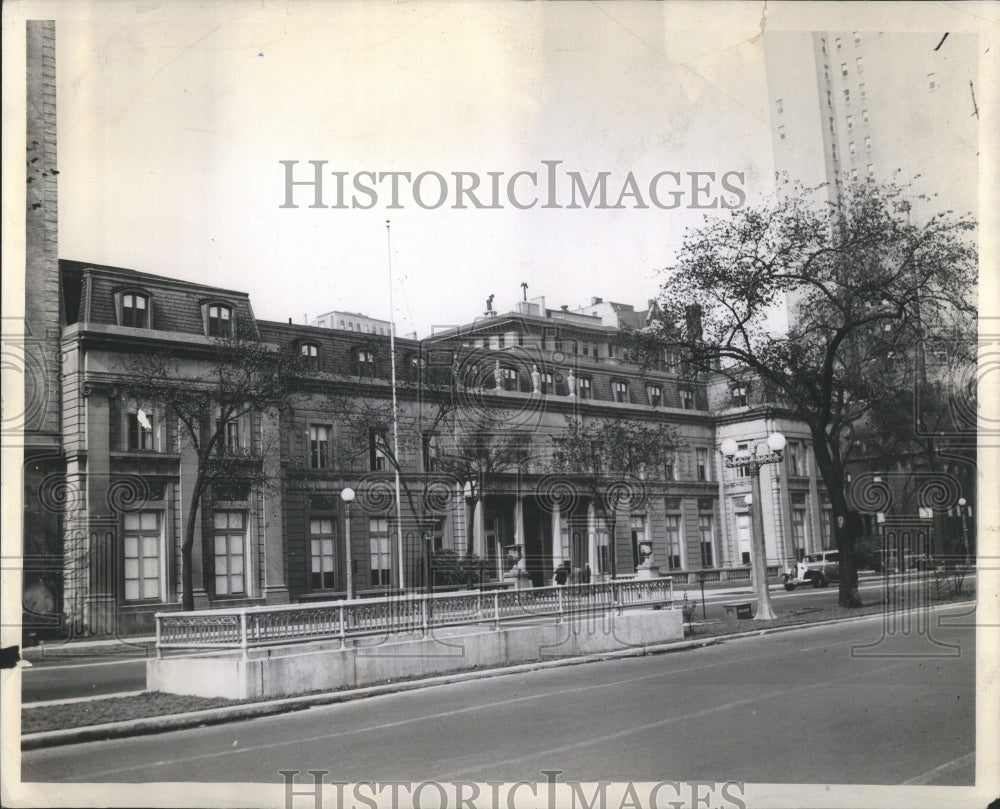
(817, 569)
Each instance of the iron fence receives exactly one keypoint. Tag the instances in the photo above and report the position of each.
(247, 627)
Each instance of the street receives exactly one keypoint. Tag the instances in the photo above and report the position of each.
(790, 707)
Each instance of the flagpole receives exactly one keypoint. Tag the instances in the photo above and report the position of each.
(395, 412)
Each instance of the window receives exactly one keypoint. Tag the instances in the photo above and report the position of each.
(799, 531)
(857, 38)
(612, 351)
(687, 398)
(781, 107)
(862, 91)
(868, 144)
(931, 82)
(140, 429)
(378, 539)
(378, 457)
(864, 116)
(852, 147)
(365, 361)
(843, 68)
(871, 169)
(781, 133)
(548, 385)
(319, 446)
(850, 122)
(310, 356)
(584, 385)
(847, 97)
(829, 98)
(796, 465)
(620, 390)
(321, 545)
(508, 378)
(831, 125)
(854, 174)
(701, 462)
(673, 526)
(220, 317)
(142, 555)
(229, 436)
(230, 542)
(859, 63)
(670, 467)
(637, 525)
(740, 396)
(135, 310)
(706, 536)
(430, 452)
(826, 526)
(838, 43)
(741, 471)
(823, 45)
(655, 394)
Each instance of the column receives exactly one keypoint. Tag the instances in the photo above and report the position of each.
(557, 554)
(591, 538)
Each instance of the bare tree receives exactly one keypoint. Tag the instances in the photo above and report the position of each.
(230, 378)
(865, 284)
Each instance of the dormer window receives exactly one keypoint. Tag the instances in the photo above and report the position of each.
(586, 390)
(740, 396)
(620, 390)
(687, 398)
(655, 394)
(135, 310)
(220, 320)
(310, 356)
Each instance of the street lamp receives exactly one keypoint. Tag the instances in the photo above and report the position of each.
(752, 462)
(347, 495)
(965, 528)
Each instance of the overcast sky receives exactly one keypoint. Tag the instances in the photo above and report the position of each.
(173, 120)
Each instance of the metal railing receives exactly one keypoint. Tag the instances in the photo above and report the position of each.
(247, 627)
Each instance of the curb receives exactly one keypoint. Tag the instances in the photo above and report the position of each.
(214, 716)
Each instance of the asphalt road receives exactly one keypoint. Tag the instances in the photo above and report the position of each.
(791, 707)
(79, 676)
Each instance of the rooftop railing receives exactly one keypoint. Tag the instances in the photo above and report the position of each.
(244, 628)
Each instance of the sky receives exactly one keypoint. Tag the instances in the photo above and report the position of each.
(173, 126)
(174, 119)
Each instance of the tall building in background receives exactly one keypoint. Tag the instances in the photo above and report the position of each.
(851, 105)
(854, 106)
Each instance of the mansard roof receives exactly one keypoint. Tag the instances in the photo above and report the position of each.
(176, 306)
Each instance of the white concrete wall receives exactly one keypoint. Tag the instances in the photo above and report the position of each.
(289, 670)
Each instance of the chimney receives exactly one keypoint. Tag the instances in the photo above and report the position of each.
(595, 301)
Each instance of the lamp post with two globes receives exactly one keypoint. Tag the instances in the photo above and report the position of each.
(752, 462)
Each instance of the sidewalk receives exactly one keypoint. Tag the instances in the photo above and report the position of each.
(60, 648)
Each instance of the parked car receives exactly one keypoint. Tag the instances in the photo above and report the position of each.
(817, 569)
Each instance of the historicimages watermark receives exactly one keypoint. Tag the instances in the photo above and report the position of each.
(313, 789)
(548, 186)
